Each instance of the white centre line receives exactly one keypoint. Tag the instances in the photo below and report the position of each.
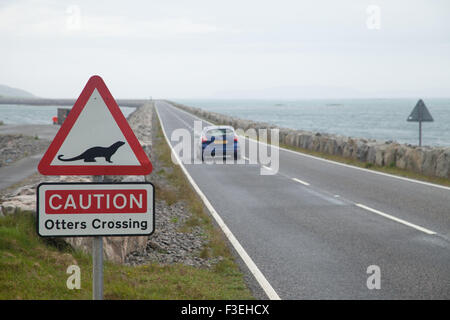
(300, 181)
(406, 223)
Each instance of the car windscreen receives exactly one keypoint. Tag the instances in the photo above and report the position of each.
(220, 132)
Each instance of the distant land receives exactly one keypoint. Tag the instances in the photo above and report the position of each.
(6, 91)
(9, 95)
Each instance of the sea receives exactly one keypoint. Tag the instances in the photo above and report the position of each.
(380, 119)
(27, 114)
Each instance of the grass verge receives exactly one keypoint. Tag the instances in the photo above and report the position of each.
(33, 268)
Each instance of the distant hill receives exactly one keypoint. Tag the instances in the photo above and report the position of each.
(6, 91)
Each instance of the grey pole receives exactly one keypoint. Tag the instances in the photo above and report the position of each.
(97, 261)
(420, 133)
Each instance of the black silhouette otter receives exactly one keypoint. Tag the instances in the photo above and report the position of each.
(95, 152)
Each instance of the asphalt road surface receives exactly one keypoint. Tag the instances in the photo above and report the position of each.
(321, 230)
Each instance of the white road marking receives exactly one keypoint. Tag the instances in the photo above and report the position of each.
(301, 181)
(409, 224)
(333, 162)
(265, 285)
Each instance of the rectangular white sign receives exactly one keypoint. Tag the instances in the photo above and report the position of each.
(95, 209)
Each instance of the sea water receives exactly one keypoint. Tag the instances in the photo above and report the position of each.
(26, 114)
(381, 119)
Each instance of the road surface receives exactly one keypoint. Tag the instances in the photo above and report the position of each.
(318, 230)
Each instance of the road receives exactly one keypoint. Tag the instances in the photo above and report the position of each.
(19, 170)
(315, 227)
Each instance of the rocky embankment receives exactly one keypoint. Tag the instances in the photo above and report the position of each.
(14, 147)
(166, 245)
(429, 161)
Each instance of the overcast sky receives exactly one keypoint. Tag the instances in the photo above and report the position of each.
(226, 49)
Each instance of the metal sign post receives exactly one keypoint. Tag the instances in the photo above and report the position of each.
(420, 114)
(420, 133)
(97, 268)
(97, 261)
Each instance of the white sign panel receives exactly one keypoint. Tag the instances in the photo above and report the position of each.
(95, 209)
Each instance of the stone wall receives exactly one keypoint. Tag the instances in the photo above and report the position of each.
(430, 161)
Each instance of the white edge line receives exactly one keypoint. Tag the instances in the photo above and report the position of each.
(396, 219)
(331, 161)
(265, 285)
(300, 181)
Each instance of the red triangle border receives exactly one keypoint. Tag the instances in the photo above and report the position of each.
(95, 82)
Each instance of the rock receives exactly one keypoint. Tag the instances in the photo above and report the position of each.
(21, 202)
(389, 156)
(134, 179)
(430, 161)
(443, 164)
(379, 156)
(371, 154)
(114, 248)
(24, 191)
(414, 160)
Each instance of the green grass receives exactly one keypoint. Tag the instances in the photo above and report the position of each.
(32, 268)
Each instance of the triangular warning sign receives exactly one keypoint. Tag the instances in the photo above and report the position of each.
(95, 139)
(420, 113)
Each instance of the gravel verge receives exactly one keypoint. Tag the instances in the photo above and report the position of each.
(14, 147)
